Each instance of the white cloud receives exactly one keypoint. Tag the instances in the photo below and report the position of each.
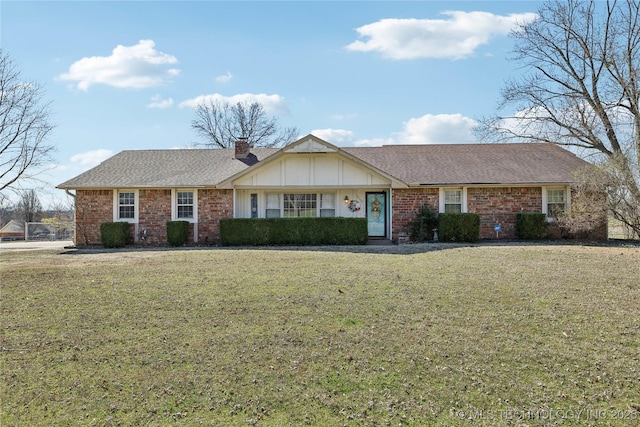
(346, 138)
(273, 104)
(456, 37)
(339, 137)
(158, 102)
(225, 78)
(438, 129)
(341, 117)
(138, 66)
(89, 159)
(428, 129)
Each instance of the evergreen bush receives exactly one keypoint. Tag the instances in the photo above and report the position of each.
(114, 234)
(458, 227)
(531, 226)
(177, 232)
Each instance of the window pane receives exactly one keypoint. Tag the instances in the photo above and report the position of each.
(555, 209)
(452, 196)
(184, 201)
(453, 208)
(185, 211)
(127, 198)
(453, 201)
(185, 197)
(299, 205)
(273, 201)
(126, 208)
(555, 196)
(555, 202)
(327, 201)
(127, 212)
(272, 213)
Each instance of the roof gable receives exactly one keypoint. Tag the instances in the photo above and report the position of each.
(310, 144)
(12, 226)
(285, 168)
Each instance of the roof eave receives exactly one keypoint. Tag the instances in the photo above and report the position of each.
(490, 184)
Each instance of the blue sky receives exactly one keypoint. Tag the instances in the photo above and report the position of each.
(125, 75)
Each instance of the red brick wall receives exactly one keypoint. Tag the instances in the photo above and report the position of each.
(154, 210)
(406, 204)
(93, 207)
(495, 205)
(213, 205)
(500, 205)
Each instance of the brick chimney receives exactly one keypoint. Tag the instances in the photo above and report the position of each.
(242, 148)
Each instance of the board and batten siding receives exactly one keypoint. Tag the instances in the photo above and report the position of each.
(325, 172)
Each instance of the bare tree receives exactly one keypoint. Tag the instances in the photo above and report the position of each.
(24, 126)
(580, 90)
(221, 124)
(29, 207)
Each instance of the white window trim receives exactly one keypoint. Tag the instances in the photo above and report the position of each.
(174, 205)
(545, 199)
(463, 208)
(116, 205)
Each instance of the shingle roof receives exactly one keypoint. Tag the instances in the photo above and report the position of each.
(12, 226)
(165, 168)
(524, 163)
(446, 164)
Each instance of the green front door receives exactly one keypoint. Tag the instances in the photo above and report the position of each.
(377, 214)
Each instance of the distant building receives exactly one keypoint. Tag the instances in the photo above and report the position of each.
(13, 230)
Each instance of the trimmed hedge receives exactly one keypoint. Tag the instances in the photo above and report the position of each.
(114, 234)
(531, 226)
(293, 231)
(458, 227)
(177, 232)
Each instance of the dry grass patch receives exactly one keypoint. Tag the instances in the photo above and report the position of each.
(464, 336)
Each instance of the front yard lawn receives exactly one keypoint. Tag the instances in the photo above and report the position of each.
(478, 335)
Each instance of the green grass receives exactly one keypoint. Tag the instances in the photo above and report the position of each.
(479, 335)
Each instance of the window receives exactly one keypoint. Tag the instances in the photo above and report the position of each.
(126, 205)
(555, 202)
(453, 201)
(327, 205)
(273, 205)
(299, 205)
(185, 204)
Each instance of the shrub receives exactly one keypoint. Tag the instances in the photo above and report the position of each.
(293, 231)
(531, 225)
(421, 228)
(177, 232)
(458, 227)
(114, 234)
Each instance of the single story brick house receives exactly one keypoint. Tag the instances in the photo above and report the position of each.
(311, 177)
